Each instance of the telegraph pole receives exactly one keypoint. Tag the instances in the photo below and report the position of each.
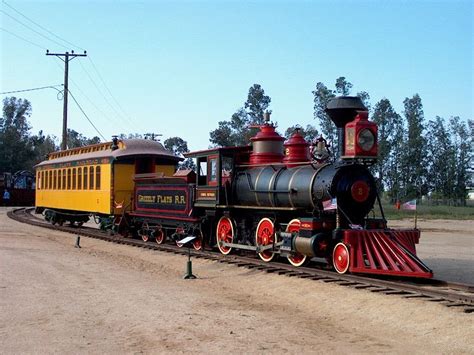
(65, 57)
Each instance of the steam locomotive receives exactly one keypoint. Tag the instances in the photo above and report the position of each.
(272, 197)
(276, 198)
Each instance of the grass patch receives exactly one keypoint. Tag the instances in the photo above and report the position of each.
(428, 212)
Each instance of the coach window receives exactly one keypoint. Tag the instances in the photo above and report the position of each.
(59, 179)
(69, 179)
(49, 179)
(43, 179)
(97, 178)
(85, 178)
(74, 178)
(64, 179)
(55, 179)
(79, 178)
(91, 178)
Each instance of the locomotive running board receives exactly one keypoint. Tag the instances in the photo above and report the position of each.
(385, 252)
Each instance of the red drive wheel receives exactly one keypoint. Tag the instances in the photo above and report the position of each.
(160, 236)
(295, 259)
(224, 233)
(265, 235)
(197, 243)
(341, 258)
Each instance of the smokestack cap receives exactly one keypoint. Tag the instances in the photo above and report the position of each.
(343, 109)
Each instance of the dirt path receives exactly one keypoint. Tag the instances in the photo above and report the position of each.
(107, 298)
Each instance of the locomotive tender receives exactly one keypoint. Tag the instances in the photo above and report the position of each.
(274, 198)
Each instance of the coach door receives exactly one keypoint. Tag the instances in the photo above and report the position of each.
(207, 189)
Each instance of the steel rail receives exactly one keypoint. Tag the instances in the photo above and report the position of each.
(456, 295)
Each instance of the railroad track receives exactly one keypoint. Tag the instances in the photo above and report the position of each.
(455, 295)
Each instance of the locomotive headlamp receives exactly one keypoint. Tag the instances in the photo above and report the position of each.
(366, 139)
(360, 138)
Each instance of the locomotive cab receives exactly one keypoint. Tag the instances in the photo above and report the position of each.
(215, 168)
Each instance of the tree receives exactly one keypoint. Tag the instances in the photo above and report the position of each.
(414, 167)
(309, 133)
(16, 151)
(322, 95)
(256, 104)
(43, 145)
(76, 139)
(441, 157)
(387, 121)
(461, 141)
(343, 87)
(179, 147)
(238, 131)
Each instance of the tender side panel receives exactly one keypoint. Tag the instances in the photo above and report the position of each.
(75, 186)
(164, 200)
(124, 173)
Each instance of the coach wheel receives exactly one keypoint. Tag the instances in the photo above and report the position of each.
(265, 235)
(340, 258)
(160, 235)
(224, 233)
(295, 259)
(197, 243)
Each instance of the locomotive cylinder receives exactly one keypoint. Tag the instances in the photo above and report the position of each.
(308, 246)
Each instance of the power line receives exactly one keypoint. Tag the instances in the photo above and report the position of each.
(32, 29)
(103, 95)
(23, 39)
(32, 89)
(87, 117)
(43, 28)
(108, 90)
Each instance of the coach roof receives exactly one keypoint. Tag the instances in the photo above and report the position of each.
(126, 148)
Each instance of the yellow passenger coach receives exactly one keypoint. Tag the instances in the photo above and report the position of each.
(97, 179)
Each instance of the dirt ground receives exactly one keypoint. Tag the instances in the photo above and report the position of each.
(106, 298)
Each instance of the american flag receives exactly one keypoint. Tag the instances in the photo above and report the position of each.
(330, 204)
(410, 205)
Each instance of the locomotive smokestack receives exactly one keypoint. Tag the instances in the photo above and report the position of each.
(342, 110)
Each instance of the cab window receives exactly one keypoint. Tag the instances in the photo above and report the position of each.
(213, 170)
(202, 171)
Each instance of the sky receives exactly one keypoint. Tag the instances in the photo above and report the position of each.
(177, 68)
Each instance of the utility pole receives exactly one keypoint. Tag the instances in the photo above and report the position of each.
(67, 57)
